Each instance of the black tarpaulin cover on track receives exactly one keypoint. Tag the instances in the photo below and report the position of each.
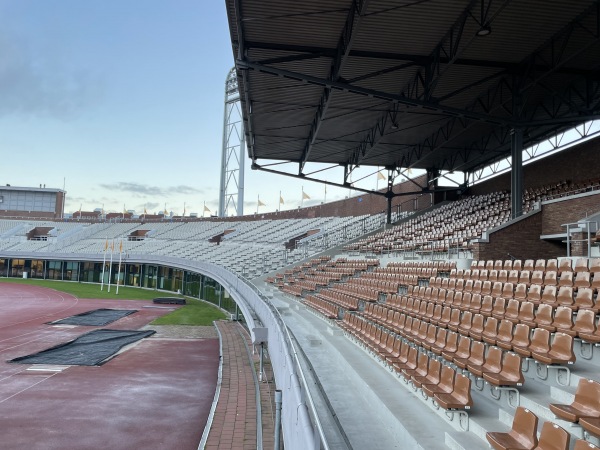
(95, 318)
(90, 349)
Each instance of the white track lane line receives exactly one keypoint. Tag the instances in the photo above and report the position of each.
(29, 387)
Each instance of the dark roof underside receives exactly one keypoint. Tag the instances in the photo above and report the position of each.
(410, 83)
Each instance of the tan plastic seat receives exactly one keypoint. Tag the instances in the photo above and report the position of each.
(549, 295)
(493, 276)
(419, 370)
(521, 340)
(540, 264)
(564, 266)
(585, 404)
(483, 274)
(430, 338)
(499, 308)
(475, 305)
(432, 376)
(582, 280)
(476, 356)
(440, 341)
(564, 296)
(510, 375)
(410, 362)
(486, 288)
(505, 334)
(459, 398)
(508, 265)
(477, 325)
(544, 317)
(552, 265)
(514, 275)
(517, 264)
(582, 444)
(540, 342)
(487, 305)
(526, 314)
(581, 265)
(466, 301)
(551, 278)
(522, 435)
(553, 437)
(446, 383)
(529, 264)
(585, 300)
(520, 292)
(465, 323)
(512, 310)
(590, 425)
(502, 276)
(492, 363)
(490, 331)
(561, 351)
(594, 265)
(563, 320)
(463, 350)
(585, 322)
(566, 279)
(451, 345)
(402, 355)
(537, 277)
(534, 294)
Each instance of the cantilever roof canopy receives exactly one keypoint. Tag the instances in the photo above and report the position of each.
(430, 84)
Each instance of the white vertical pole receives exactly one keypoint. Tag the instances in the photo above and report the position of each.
(119, 274)
(112, 248)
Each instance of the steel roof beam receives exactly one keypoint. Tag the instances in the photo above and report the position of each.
(345, 42)
(499, 95)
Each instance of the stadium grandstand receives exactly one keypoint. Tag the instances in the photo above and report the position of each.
(423, 315)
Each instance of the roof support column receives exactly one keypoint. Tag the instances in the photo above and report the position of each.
(389, 195)
(516, 174)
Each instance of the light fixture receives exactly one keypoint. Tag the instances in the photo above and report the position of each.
(394, 126)
(484, 30)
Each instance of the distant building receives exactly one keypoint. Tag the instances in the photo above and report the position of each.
(29, 202)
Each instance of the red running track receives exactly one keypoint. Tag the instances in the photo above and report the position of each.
(155, 395)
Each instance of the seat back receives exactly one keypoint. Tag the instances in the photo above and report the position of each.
(566, 279)
(511, 367)
(553, 437)
(549, 294)
(521, 336)
(540, 340)
(581, 265)
(477, 355)
(562, 347)
(477, 323)
(588, 394)
(529, 264)
(520, 291)
(551, 278)
(487, 305)
(585, 322)
(564, 265)
(537, 277)
(514, 275)
(486, 288)
(505, 331)
(447, 378)
(582, 280)
(499, 307)
(563, 318)
(465, 320)
(552, 265)
(493, 275)
(540, 264)
(524, 427)
(508, 290)
(493, 360)
(512, 310)
(462, 391)
(581, 444)
(534, 294)
(543, 314)
(526, 312)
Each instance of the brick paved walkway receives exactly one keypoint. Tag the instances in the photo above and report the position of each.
(234, 422)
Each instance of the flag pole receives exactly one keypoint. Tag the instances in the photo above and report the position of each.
(302, 199)
(104, 264)
(112, 248)
(119, 275)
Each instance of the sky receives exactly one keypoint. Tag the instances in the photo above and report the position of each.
(121, 103)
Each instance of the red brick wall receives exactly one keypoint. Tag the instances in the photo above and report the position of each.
(568, 211)
(521, 240)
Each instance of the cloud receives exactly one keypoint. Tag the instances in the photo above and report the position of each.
(36, 85)
(147, 190)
